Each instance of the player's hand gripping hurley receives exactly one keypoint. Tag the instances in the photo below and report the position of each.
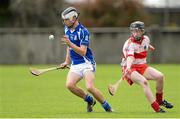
(112, 88)
(37, 72)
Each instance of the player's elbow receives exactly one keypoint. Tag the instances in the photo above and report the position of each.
(130, 58)
(83, 54)
(83, 50)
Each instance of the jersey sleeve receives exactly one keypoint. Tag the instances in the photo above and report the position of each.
(85, 38)
(65, 30)
(147, 42)
(147, 39)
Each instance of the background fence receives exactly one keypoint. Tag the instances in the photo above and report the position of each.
(32, 46)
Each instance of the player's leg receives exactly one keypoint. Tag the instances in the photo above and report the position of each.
(141, 80)
(72, 80)
(89, 79)
(153, 74)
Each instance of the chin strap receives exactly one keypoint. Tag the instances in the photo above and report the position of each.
(71, 26)
(137, 38)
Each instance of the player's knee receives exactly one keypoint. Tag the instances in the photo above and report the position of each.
(145, 83)
(160, 77)
(69, 86)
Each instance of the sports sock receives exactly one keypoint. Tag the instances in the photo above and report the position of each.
(106, 106)
(159, 97)
(88, 99)
(155, 106)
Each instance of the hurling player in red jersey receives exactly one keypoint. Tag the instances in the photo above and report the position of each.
(136, 70)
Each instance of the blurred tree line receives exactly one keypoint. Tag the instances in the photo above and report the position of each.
(30, 13)
(5, 13)
(93, 13)
(112, 13)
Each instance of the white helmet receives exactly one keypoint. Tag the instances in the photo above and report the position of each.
(70, 13)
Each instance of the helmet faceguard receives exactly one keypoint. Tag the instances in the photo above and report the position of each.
(69, 14)
(137, 26)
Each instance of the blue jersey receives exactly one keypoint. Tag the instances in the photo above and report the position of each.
(79, 36)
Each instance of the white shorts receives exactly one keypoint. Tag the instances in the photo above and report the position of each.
(80, 69)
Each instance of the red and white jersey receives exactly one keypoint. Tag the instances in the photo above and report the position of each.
(137, 49)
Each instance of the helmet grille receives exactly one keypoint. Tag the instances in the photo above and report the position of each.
(137, 25)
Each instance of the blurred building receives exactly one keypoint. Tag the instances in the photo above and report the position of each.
(165, 16)
(26, 25)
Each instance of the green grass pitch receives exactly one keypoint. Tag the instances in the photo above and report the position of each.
(24, 95)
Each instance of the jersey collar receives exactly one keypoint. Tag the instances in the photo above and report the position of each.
(135, 41)
(76, 29)
(78, 26)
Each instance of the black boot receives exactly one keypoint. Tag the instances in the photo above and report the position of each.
(166, 104)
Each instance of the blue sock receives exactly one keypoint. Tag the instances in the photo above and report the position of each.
(106, 106)
(88, 99)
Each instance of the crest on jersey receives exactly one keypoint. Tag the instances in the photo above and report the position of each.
(145, 47)
(75, 37)
(71, 36)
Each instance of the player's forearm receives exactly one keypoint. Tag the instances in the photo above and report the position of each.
(68, 59)
(130, 60)
(151, 48)
(80, 50)
(77, 49)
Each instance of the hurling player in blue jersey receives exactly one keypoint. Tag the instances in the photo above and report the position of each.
(82, 60)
